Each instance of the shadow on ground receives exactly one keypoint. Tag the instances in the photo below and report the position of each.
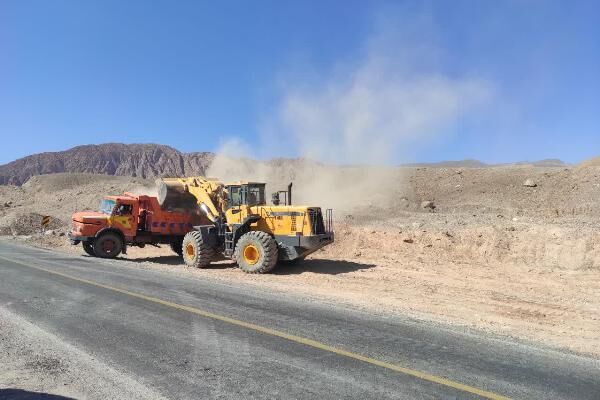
(168, 260)
(19, 394)
(320, 266)
(176, 261)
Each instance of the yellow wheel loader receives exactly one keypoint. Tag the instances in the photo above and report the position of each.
(243, 227)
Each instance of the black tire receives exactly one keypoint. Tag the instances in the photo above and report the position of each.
(195, 252)
(88, 248)
(256, 252)
(109, 245)
(295, 261)
(177, 246)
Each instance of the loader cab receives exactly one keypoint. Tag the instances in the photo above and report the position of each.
(248, 194)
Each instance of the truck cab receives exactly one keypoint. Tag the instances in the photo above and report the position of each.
(134, 220)
(114, 212)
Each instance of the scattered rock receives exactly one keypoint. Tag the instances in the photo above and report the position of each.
(408, 241)
(428, 204)
(8, 204)
(529, 183)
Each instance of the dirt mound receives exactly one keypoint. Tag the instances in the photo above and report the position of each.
(31, 223)
(59, 195)
(57, 182)
(592, 162)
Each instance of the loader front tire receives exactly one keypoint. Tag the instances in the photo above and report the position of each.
(256, 252)
(195, 252)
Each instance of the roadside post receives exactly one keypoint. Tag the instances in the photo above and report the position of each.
(45, 223)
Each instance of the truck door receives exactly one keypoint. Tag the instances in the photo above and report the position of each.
(123, 218)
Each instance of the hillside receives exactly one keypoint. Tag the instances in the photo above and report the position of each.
(137, 160)
(155, 160)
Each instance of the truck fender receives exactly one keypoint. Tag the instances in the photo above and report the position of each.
(118, 232)
(113, 230)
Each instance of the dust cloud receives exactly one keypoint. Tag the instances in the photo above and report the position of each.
(151, 191)
(350, 127)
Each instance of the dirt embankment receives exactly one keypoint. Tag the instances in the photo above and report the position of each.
(58, 196)
(472, 246)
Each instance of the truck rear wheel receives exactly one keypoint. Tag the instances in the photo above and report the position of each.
(109, 245)
(195, 252)
(177, 246)
(88, 248)
(256, 252)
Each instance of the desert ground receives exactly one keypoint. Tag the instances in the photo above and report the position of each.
(511, 250)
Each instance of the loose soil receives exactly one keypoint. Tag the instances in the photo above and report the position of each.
(493, 254)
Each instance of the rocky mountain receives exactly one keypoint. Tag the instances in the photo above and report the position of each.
(155, 160)
(139, 160)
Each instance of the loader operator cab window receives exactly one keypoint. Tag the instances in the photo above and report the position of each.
(251, 195)
(235, 196)
(256, 195)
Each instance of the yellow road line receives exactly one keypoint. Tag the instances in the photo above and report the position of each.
(293, 338)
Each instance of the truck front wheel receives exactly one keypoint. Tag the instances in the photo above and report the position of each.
(109, 245)
(256, 252)
(88, 248)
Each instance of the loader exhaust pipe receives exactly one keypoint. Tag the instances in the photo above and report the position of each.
(290, 194)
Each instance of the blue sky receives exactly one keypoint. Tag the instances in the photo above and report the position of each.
(495, 81)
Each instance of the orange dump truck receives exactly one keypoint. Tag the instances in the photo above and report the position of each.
(131, 220)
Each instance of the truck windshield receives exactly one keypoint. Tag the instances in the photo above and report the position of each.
(107, 206)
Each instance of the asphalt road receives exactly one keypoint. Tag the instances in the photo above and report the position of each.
(188, 338)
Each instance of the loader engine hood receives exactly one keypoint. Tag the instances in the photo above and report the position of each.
(90, 217)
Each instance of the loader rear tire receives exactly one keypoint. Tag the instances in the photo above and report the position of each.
(256, 252)
(109, 245)
(195, 252)
(88, 248)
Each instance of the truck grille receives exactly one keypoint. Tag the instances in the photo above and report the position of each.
(316, 221)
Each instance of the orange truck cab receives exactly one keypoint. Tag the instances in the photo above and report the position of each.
(134, 220)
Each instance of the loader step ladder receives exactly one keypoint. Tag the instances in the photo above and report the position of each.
(229, 244)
